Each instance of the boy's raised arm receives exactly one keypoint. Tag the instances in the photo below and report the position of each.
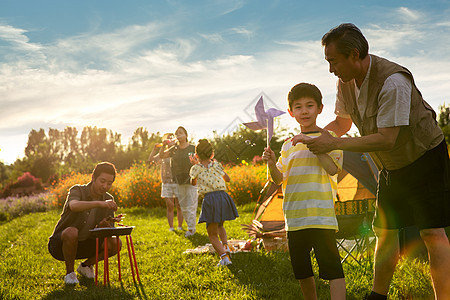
(270, 158)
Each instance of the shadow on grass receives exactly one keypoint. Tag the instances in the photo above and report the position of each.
(88, 290)
(270, 276)
(198, 239)
(264, 273)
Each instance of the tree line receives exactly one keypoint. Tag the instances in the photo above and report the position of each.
(53, 153)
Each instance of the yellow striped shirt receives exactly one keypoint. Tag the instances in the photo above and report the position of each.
(309, 191)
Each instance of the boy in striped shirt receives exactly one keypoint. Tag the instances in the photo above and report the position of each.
(309, 188)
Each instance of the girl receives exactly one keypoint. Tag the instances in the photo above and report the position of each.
(181, 164)
(217, 205)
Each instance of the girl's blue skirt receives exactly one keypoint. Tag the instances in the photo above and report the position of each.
(217, 207)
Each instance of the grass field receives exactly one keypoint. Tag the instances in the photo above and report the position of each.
(27, 271)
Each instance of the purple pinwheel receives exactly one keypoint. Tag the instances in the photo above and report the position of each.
(264, 119)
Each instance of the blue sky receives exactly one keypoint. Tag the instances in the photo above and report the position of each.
(200, 64)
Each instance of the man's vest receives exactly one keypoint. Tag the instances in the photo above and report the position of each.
(422, 133)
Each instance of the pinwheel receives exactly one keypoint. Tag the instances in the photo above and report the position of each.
(264, 119)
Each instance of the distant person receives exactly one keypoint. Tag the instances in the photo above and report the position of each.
(87, 207)
(400, 131)
(217, 207)
(309, 188)
(181, 164)
(169, 188)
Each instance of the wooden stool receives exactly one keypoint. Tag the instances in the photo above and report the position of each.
(109, 232)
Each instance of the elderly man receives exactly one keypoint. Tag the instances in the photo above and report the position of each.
(400, 131)
(86, 207)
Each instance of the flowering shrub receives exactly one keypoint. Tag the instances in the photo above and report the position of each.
(247, 180)
(60, 189)
(140, 185)
(137, 186)
(24, 185)
(13, 207)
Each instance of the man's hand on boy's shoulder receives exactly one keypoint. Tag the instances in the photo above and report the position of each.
(323, 143)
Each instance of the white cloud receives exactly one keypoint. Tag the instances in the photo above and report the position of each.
(391, 38)
(243, 31)
(101, 50)
(17, 38)
(231, 6)
(443, 24)
(214, 38)
(408, 14)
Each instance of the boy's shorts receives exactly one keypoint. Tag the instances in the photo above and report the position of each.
(418, 194)
(323, 241)
(169, 190)
(85, 248)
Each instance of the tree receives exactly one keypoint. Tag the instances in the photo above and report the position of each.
(141, 144)
(244, 144)
(444, 121)
(42, 153)
(4, 175)
(71, 156)
(99, 144)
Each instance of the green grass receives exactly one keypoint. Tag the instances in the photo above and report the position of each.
(27, 271)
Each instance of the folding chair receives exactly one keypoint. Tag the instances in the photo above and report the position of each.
(355, 237)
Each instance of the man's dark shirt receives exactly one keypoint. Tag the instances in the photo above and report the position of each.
(82, 220)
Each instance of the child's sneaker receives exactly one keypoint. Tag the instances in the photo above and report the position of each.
(71, 279)
(224, 260)
(180, 228)
(171, 229)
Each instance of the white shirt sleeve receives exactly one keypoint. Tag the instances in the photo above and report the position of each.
(339, 108)
(395, 101)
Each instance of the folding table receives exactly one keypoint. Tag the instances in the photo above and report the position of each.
(109, 232)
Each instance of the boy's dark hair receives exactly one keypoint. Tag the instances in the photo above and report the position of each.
(302, 90)
(204, 149)
(104, 167)
(346, 38)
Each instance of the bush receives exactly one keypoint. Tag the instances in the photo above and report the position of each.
(137, 186)
(140, 185)
(25, 184)
(13, 207)
(246, 182)
(60, 189)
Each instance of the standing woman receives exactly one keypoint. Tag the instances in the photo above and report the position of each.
(169, 189)
(181, 165)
